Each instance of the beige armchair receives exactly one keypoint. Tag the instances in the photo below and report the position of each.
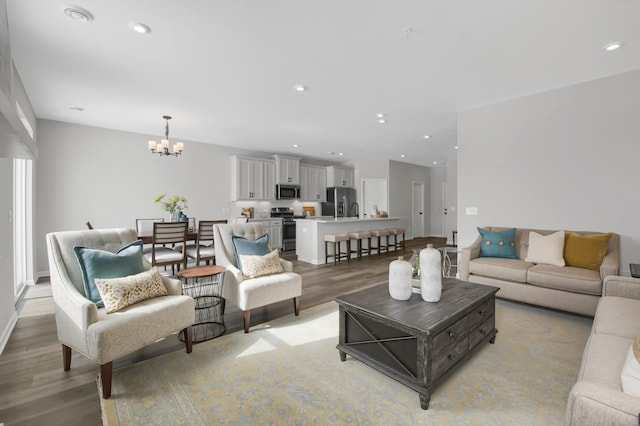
(250, 293)
(103, 337)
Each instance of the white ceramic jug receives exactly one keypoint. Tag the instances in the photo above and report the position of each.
(400, 276)
(430, 274)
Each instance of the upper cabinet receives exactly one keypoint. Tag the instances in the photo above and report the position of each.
(252, 178)
(287, 170)
(313, 183)
(340, 176)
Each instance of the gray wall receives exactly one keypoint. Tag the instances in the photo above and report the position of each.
(564, 159)
(400, 177)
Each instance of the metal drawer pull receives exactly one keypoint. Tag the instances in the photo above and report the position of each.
(482, 312)
(452, 334)
(451, 357)
(483, 331)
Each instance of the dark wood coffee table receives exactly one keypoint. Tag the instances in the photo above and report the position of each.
(413, 341)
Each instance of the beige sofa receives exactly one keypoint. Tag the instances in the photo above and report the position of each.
(566, 288)
(597, 397)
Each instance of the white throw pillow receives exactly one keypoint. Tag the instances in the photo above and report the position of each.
(547, 249)
(118, 293)
(630, 376)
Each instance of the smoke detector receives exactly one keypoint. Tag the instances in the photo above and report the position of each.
(78, 14)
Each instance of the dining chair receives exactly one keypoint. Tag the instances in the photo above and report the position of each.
(204, 248)
(145, 226)
(163, 252)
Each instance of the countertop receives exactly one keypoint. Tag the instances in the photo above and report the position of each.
(331, 219)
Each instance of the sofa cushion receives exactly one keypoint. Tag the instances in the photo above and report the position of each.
(247, 247)
(498, 243)
(617, 316)
(261, 291)
(547, 249)
(504, 269)
(96, 263)
(118, 293)
(630, 376)
(258, 266)
(585, 251)
(569, 278)
(602, 360)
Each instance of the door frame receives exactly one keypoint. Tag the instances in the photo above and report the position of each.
(417, 218)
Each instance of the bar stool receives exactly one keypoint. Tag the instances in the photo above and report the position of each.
(379, 233)
(397, 244)
(338, 254)
(359, 236)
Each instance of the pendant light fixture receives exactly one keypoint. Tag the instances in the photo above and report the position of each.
(162, 148)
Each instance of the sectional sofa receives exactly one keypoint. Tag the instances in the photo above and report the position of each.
(568, 288)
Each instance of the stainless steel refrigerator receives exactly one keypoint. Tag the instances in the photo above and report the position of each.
(341, 202)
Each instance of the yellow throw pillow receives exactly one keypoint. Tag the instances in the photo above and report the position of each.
(118, 293)
(585, 251)
(257, 266)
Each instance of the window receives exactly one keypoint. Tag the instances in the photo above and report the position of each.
(22, 229)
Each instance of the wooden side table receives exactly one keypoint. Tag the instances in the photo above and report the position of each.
(204, 284)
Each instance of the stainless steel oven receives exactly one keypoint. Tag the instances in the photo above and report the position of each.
(288, 227)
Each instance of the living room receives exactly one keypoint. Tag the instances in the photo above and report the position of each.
(558, 155)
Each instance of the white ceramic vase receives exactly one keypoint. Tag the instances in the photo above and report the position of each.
(430, 274)
(400, 276)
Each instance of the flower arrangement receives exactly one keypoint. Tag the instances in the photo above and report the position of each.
(173, 205)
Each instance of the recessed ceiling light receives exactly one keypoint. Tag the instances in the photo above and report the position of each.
(402, 155)
(435, 162)
(380, 115)
(295, 145)
(331, 153)
(382, 121)
(455, 147)
(76, 108)
(341, 153)
(300, 87)
(613, 46)
(140, 28)
(78, 14)
(427, 136)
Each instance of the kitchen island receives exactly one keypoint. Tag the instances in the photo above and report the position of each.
(310, 233)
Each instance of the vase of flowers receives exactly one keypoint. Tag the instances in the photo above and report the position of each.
(174, 205)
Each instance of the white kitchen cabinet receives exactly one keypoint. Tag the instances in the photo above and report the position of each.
(287, 170)
(252, 179)
(340, 176)
(313, 183)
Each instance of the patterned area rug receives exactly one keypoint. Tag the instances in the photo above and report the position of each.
(288, 371)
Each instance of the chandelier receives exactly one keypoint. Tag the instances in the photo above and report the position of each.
(162, 148)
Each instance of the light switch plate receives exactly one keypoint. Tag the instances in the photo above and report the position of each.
(472, 211)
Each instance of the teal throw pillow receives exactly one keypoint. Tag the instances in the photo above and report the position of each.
(96, 263)
(498, 243)
(244, 247)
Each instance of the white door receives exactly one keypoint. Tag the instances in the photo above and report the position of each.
(374, 193)
(417, 209)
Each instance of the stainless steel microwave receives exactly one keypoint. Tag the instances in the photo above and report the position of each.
(287, 192)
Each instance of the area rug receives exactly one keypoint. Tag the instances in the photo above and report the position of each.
(288, 371)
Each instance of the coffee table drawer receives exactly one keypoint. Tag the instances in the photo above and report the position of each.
(446, 358)
(480, 314)
(451, 334)
(482, 331)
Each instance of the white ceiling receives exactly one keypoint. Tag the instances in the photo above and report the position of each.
(225, 70)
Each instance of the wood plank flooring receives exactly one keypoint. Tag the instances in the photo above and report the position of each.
(34, 389)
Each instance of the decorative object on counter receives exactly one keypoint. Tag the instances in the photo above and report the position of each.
(162, 148)
(430, 274)
(308, 211)
(378, 213)
(248, 212)
(174, 205)
(400, 279)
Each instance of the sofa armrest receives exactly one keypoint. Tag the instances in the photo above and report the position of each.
(610, 264)
(468, 254)
(615, 285)
(286, 265)
(591, 404)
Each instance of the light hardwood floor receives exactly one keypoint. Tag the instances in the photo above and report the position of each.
(34, 389)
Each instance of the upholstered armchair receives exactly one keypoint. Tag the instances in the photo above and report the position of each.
(249, 293)
(89, 329)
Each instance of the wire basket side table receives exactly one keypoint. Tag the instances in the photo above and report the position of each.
(204, 285)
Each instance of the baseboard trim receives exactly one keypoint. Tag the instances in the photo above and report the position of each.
(41, 276)
(6, 333)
